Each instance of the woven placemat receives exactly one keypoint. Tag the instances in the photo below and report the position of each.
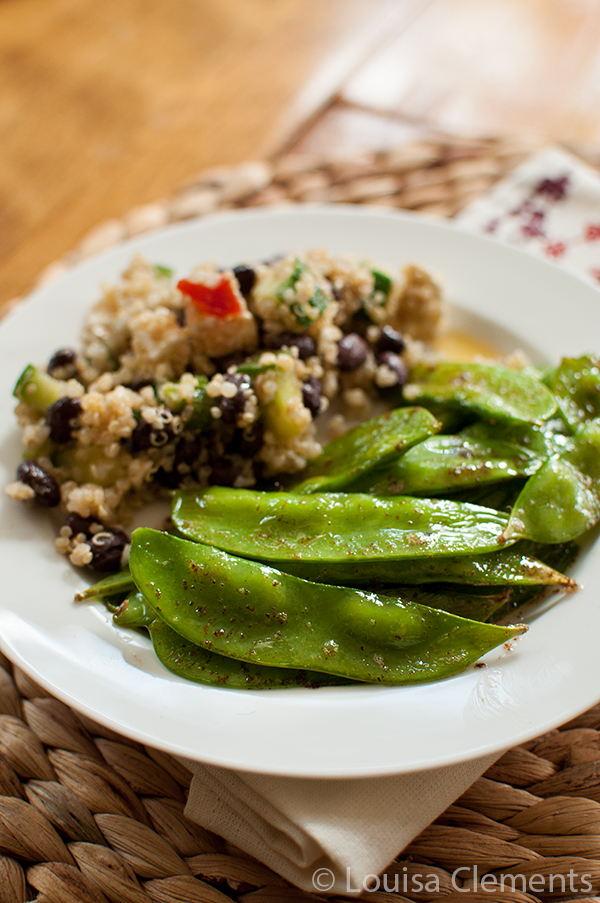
(87, 815)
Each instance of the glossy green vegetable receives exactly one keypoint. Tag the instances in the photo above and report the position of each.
(256, 614)
(371, 444)
(474, 606)
(133, 612)
(340, 527)
(195, 663)
(562, 499)
(447, 464)
(113, 585)
(511, 565)
(491, 391)
(576, 383)
(540, 440)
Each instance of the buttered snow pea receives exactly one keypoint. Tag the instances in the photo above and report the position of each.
(371, 444)
(334, 527)
(562, 500)
(195, 663)
(198, 664)
(576, 384)
(254, 613)
(512, 566)
(447, 464)
(491, 391)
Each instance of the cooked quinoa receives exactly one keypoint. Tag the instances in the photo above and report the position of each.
(220, 378)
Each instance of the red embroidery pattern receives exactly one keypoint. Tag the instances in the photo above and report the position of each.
(556, 250)
(532, 226)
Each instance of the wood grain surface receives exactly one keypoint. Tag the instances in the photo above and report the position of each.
(109, 104)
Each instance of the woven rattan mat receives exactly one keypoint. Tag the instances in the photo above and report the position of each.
(87, 815)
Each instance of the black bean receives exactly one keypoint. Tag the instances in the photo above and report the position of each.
(107, 550)
(389, 340)
(394, 363)
(170, 479)
(352, 352)
(231, 408)
(63, 360)
(79, 524)
(223, 472)
(251, 441)
(47, 493)
(246, 278)
(181, 317)
(312, 391)
(60, 417)
(146, 436)
(187, 452)
(306, 345)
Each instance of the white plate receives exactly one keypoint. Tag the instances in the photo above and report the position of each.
(112, 675)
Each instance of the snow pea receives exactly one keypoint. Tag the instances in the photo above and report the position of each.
(540, 440)
(559, 555)
(334, 527)
(474, 606)
(133, 612)
(113, 585)
(576, 384)
(562, 499)
(491, 391)
(369, 445)
(512, 565)
(194, 663)
(256, 614)
(449, 463)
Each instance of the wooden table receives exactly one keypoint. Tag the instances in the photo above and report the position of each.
(108, 104)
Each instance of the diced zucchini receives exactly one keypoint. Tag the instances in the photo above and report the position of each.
(199, 418)
(285, 415)
(39, 390)
(162, 271)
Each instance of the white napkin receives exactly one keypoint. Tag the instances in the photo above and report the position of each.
(549, 206)
(324, 835)
(333, 835)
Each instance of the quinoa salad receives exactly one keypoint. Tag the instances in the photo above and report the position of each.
(229, 377)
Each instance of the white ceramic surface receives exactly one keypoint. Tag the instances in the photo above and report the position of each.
(112, 675)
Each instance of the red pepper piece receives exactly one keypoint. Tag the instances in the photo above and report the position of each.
(219, 300)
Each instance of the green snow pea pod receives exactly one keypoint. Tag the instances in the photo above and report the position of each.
(369, 445)
(133, 612)
(560, 555)
(512, 565)
(195, 663)
(256, 614)
(576, 384)
(491, 391)
(330, 526)
(540, 440)
(562, 499)
(446, 464)
(113, 585)
(474, 606)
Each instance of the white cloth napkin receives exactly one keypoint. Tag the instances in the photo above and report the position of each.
(549, 206)
(331, 835)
